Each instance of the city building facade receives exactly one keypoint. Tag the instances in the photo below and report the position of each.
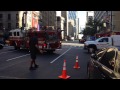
(48, 18)
(77, 28)
(9, 20)
(104, 17)
(71, 24)
(89, 15)
(64, 14)
(60, 25)
(17, 19)
(115, 18)
(35, 19)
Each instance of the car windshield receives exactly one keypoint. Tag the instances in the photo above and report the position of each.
(51, 36)
(98, 39)
(100, 53)
(108, 58)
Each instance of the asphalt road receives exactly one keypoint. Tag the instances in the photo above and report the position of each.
(14, 64)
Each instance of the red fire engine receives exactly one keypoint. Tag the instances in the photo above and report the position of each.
(48, 40)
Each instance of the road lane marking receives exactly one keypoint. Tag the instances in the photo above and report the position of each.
(8, 51)
(8, 66)
(60, 55)
(17, 57)
(7, 77)
(8, 47)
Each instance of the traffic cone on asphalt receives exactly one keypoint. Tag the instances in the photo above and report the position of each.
(76, 64)
(64, 72)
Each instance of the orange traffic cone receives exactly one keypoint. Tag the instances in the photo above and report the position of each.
(64, 72)
(76, 64)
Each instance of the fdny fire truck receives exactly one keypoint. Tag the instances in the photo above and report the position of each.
(48, 40)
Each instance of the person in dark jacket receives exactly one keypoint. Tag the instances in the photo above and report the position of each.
(33, 43)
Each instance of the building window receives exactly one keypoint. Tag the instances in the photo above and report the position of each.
(17, 33)
(14, 33)
(17, 17)
(1, 25)
(17, 25)
(1, 16)
(58, 18)
(9, 25)
(9, 16)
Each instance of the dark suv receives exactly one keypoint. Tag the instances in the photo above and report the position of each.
(105, 64)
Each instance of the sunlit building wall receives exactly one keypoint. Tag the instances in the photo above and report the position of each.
(64, 14)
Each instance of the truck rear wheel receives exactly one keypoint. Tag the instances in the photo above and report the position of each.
(15, 46)
(50, 51)
(91, 50)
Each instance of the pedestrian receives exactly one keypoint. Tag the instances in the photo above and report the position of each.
(33, 43)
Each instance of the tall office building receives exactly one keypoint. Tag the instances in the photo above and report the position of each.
(105, 18)
(99, 15)
(73, 15)
(64, 14)
(89, 15)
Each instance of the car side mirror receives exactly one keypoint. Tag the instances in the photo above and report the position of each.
(94, 56)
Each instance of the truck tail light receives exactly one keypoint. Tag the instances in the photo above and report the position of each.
(44, 45)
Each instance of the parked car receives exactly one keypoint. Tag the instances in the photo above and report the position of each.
(81, 40)
(72, 38)
(104, 64)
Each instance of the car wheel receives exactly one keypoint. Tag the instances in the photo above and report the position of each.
(91, 50)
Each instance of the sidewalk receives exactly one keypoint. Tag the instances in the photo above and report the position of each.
(75, 41)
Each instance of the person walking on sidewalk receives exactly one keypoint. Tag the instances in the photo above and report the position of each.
(33, 43)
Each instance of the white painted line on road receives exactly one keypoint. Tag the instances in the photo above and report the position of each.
(17, 57)
(8, 51)
(8, 47)
(7, 77)
(60, 55)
